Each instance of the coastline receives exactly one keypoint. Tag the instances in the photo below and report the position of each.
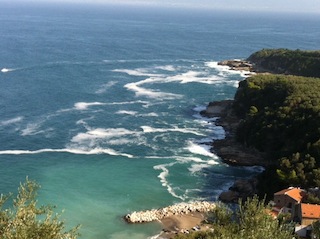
(230, 152)
(175, 219)
(228, 149)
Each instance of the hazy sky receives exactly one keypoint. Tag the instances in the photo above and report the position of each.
(260, 5)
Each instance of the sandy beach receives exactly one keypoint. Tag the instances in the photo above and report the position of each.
(182, 224)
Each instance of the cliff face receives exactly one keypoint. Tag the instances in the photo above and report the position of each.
(229, 150)
(285, 61)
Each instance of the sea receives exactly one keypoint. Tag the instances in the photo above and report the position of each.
(100, 104)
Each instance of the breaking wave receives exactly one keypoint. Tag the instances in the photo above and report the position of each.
(67, 150)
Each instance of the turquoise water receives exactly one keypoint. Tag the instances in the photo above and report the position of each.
(101, 105)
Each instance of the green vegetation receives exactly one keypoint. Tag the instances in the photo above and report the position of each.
(250, 221)
(284, 61)
(281, 117)
(24, 220)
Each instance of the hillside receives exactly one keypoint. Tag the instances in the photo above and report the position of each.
(285, 61)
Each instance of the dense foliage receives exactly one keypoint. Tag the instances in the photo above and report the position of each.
(251, 221)
(284, 61)
(281, 117)
(24, 220)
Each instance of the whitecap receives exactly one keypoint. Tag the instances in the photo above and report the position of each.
(163, 178)
(86, 105)
(150, 115)
(201, 149)
(101, 133)
(105, 87)
(197, 77)
(140, 91)
(67, 150)
(199, 108)
(227, 70)
(11, 121)
(33, 129)
(126, 112)
(5, 70)
(137, 72)
(148, 129)
(198, 167)
(166, 68)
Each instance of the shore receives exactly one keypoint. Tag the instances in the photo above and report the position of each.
(232, 153)
(187, 223)
(228, 149)
(175, 219)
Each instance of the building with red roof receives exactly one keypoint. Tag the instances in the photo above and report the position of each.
(306, 214)
(287, 198)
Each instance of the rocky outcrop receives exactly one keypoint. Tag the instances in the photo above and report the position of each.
(228, 149)
(232, 152)
(239, 65)
(241, 189)
(177, 209)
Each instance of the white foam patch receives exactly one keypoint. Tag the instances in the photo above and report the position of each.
(196, 160)
(163, 179)
(140, 91)
(200, 108)
(126, 112)
(86, 105)
(201, 149)
(197, 77)
(198, 167)
(148, 129)
(34, 129)
(218, 132)
(105, 87)
(137, 72)
(101, 133)
(226, 70)
(67, 150)
(11, 121)
(150, 115)
(5, 70)
(166, 68)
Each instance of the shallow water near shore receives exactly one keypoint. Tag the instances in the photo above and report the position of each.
(101, 106)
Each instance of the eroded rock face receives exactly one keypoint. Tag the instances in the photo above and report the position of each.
(241, 189)
(177, 209)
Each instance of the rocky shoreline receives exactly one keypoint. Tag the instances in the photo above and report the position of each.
(244, 65)
(228, 149)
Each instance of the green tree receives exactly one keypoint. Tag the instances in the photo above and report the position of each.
(24, 220)
(316, 230)
(251, 221)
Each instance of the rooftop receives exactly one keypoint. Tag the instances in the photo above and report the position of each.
(310, 210)
(295, 193)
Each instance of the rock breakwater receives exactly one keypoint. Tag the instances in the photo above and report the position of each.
(176, 209)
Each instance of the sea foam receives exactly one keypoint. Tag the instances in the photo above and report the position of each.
(148, 129)
(86, 105)
(67, 150)
(163, 179)
(5, 70)
(201, 149)
(11, 121)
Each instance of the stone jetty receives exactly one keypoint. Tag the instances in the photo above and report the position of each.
(176, 209)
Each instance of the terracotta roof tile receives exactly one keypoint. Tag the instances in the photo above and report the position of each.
(295, 193)
(310, 210)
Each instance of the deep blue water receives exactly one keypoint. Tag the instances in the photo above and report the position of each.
(100, 105)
